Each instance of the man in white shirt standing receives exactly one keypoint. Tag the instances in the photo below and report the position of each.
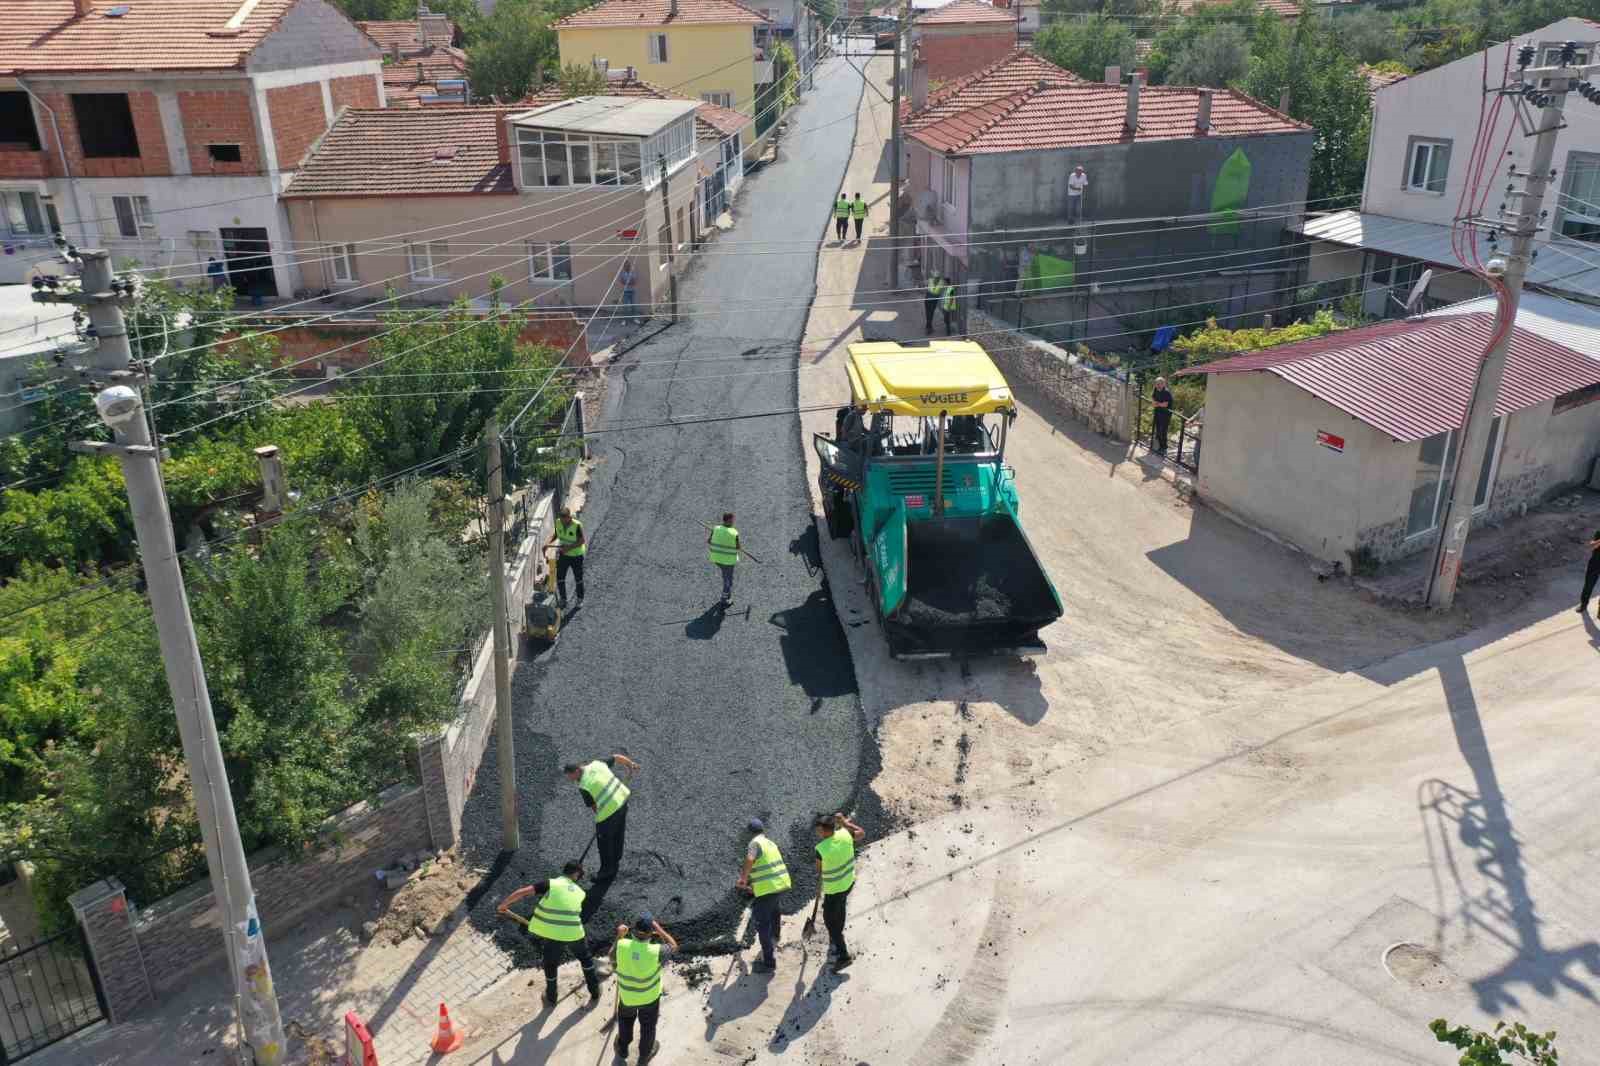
(1077, 182)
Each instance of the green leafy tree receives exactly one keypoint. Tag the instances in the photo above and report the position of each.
(1505, 1045)
(1087, 46)
(581, 79)
(1219, 58)
(1120, 8)
(1178, 34)
(1372, 36)
(510, 47)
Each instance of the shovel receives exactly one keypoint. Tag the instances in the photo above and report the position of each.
(810, 928)
(743, 551)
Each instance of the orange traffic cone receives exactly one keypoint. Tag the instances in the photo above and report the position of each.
(448, 1038)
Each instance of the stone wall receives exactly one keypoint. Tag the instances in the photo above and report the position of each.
(1101, 400)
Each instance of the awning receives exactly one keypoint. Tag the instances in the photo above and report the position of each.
(956, 377)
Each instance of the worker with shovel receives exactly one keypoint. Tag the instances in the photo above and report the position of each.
(767, 878)
(569, 535)
(604, 791)
(837, 837)
(638, 955)
(722, 544)
(557, 924)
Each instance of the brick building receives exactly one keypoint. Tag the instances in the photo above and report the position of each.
(164, 130)
(957, 39)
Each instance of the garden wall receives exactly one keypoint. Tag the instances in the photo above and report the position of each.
(1100, 399)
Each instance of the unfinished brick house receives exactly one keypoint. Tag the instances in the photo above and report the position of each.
(164, 130)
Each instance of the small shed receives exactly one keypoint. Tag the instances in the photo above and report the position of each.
(1345, 442)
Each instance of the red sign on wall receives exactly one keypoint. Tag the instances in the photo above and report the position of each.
(916, 501)
(627, 234)
(1329, 440)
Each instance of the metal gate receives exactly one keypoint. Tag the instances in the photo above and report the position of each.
(48, 991)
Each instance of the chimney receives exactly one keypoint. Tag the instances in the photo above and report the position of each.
(672, 11)
(1202, 118)
(502, 138)
(1113, 75)
(394, 51)
(1283, 100)
(919, 87)
(602, 67)
(1132, 121)
(271, 481)
(84, 8)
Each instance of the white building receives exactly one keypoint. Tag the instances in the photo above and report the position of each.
(1423, 129)
(164, 130)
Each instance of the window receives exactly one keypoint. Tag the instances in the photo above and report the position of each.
(1552, 58)
(16, 121)
(675, 143)
(1580, 202)
(663, 242)
(105, 125)
(131, 215)
(427, 260)
(720, 99)
(657, 43)
(550, 158)
(1427, 166)
(344, 262)
(1430, 493)
(549, 261)
(949, 177)
(225, 153)
(22, 214)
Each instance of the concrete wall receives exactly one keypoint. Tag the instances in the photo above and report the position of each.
(694, 54)
(312, 33)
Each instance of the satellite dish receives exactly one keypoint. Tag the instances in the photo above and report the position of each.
(1417, 291)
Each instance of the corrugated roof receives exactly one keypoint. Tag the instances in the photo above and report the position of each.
(48, 36)
(659, 13)
(628, 116)
(1413, 378)
(1049, 116)
(1575, 325)
(1564, 265)
(407, 152)
(965, 13)
(1011, 73)
(712, 121)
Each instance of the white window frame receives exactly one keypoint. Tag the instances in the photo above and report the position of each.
(139, 212)
(1584, 167)
(428, 256)
(1495, 445)
(721, 99)
(948, 177)
(343, 260)
(601, 156)
(18, 196)
(657, 49)
(1432, 147)
(547, 260)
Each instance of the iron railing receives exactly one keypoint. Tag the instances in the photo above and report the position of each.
(48, 991)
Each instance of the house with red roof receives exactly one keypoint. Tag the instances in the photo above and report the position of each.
(959, 38)
(1344, 443)
(1182, 199)
(423, 62)
(164, 130)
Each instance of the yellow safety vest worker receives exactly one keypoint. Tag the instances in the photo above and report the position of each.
(769, 874)
(568, 536)
(558, 914)
(638, 972)
(858, 208)
(724, 550)
(605, 788)
(842, 208)
(935, 286)
(949, 296)
(838, 855)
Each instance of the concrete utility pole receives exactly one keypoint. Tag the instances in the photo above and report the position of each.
(666, 209)
(505, 741)
(1523, 221)
(121, 408)
(902, 27)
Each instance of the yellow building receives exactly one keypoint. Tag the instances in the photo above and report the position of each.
(704, 49)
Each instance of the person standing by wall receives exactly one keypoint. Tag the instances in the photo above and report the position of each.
(858, 211)
(1591, 574)
(625, 279)
(1161, 401)
(1077, 183)
(765, 876)
(837, 837)
(722, 545)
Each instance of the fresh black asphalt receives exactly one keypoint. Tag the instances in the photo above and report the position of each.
(752, 712)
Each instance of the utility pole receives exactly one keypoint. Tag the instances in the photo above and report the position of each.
(902, 27)
(121, 408)
(1523, 221)
(505, 742)
(666, 209)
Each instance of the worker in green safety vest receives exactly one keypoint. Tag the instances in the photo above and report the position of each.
(947, 304)
(930, 299)
(858, 211)
(766, 877)
(841, 217)
(722, 545)
(569, 535)
(638, 955)
(604, 791)
(837, 837)
(557, 925)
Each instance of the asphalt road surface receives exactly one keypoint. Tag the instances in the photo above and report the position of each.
(749, 713)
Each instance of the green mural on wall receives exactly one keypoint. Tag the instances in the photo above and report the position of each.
(1048, 272)
(1229, 194)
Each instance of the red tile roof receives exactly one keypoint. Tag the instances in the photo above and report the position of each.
(1284, 8)
(659, 13)
(405, 82)
(1017, 70)
(1378, 79)
(712, 121)
(47, 36)
(407, 33)
(406, 152)
(1049, 115)
(1413, 378)
(964, 13)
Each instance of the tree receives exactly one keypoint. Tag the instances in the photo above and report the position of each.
(1086, 47)
(1120, 8)
(1372, 36)
(1219, 58)
(581, 79)
(1180, 33)
(509, 48)
(1504, 1046)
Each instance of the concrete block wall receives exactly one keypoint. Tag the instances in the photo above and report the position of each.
(1094, 397)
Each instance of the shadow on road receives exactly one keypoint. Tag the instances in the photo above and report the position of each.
(707, 624)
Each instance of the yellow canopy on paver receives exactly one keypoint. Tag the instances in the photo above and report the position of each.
(956, 377)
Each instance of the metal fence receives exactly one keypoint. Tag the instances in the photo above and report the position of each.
(1180, 444)
(48, 991)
